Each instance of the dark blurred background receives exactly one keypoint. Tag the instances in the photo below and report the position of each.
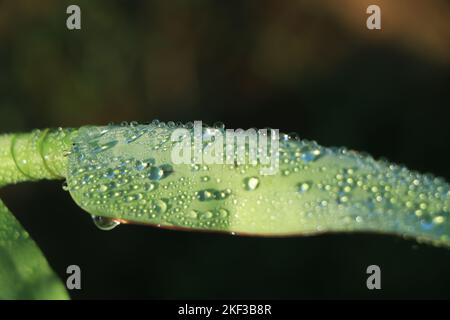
(306, 66)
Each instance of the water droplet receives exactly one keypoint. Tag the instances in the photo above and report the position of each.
(109, 173)
(65, 186)
(160, 206)
(141, 165)
(193, 214)
(426, 225)
(104, 223)
(167, 170)
(207, 215)
(304, 186)
(134, 136)
(150, 186)
(205, 195)
(156, 173)
(438, 219)
(104, 147)
(223, 213)
(310, 154)
(251, 183)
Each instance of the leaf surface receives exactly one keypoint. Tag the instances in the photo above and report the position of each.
(128, 173)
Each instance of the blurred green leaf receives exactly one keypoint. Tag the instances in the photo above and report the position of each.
(24, 271)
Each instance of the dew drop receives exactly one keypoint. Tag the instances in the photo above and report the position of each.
(426, 225)
(167, 170)
(223, 213)
(205, 195)
(141, 165)
(251, 183)
(304, 186)
(104, 223)
(207, 215)
(438, 219)
(193, 214)
(109, 173)
(150, 187)
(160, 206)
(310, 154)
(104, 147)
(156, 173)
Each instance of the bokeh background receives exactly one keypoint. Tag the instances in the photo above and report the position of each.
(306, 66)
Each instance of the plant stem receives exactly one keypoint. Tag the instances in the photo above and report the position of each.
(34, 156)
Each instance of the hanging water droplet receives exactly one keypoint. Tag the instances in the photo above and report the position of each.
(65, 186)
(251, 183)
(104, 223)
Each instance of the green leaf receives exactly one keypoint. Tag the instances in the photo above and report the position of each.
(126, 173)
(24, 272)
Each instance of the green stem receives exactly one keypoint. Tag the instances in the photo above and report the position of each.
(33, 156)
(24, 271)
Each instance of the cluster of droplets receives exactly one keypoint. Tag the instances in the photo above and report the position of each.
(136, 184)
(125, 173)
